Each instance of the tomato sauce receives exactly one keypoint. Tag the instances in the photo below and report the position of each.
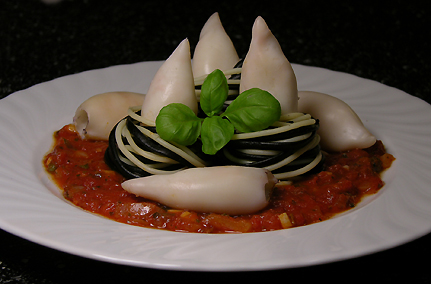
(77, 166)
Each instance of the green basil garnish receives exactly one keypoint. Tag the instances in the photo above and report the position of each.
(178, 123)
(216, 133)
(253, 110)
(214, 92)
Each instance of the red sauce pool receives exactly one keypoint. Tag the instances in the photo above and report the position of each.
(77, 166)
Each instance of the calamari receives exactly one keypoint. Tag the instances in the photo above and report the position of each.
(225, 189)
(266, 67)
(96, 116)
(214, 50)
(173, 83)
(340, 128)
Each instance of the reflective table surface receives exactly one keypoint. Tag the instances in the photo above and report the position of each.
(386, 41)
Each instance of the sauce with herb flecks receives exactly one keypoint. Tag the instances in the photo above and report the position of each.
(77, 166)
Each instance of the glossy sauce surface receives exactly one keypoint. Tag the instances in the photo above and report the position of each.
(77, 166)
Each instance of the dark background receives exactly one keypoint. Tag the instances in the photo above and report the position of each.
(386, 41)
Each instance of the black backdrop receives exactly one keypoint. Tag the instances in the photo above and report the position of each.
(386, 41)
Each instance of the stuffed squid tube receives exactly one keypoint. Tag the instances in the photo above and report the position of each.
(230, 190)
(173, 83)
(95, 117)
(214, 50)
(340, 129)
(266, 67)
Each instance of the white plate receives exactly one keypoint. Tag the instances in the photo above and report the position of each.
(400, 212)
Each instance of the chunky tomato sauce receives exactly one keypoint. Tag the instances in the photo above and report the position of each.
(78, 168)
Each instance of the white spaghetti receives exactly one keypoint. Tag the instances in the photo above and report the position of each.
(288, 148)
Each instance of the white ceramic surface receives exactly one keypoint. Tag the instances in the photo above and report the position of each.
(31, 207)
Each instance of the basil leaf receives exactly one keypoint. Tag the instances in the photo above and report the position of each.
(178, 123)
(214, 92)
(216, 133)
(253, 110)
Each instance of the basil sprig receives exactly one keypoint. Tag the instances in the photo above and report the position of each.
(178, 123)
(253, 110)
(216, 133)
(214, 92)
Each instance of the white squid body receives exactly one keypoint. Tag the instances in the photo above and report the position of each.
(340, 127)
(214, 50)
(266, 67)
(173, 83)
(95, 117)
(231, 190)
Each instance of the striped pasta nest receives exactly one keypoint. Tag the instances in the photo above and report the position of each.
(288, 148)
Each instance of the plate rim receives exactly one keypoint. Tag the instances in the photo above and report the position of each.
(175, 264)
